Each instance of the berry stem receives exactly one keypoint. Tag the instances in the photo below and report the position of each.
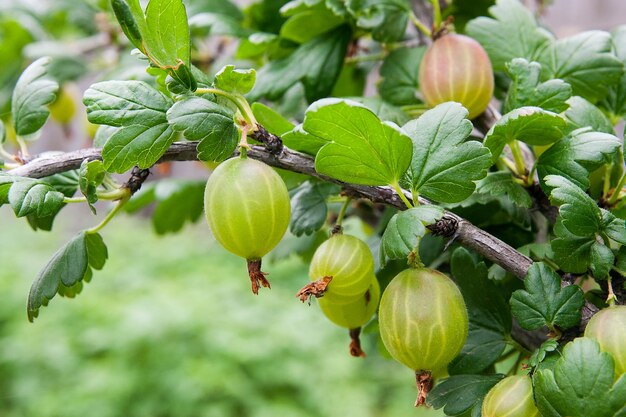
(611, 298)
(257, 277)
(314, 289)
(342, 213)
(355, 343)
(424, 381)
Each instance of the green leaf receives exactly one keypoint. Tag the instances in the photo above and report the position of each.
(301, 141)
(500, 35)
(489, 323)
(581, 384)
(28, 196)
(400, 76)
(167, 38)
(444, 165)
(542, 351)
(178, 202)
(3, 132)
(65, 183)
(127, 21)
(578, 212)
(125, 103)
(531, 125)
(461, 393)
(544, 302)
(91, 175)
(405, 230)
(316, 64)
(66, 270)
(527, 90)
(602, 259)
(585, 61)
(576, 156)
(307, 22)
(502, 183)
(208, 122)
(572, 253)
(32, 94)
(615, 100)
(141, 111)
(308, 206)
(235, 80)
(271, 120)
(582, 113)
(385, 111)
(361, 148)
(136, 145)
(387, 19)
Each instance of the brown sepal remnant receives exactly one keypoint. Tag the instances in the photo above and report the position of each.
(257, 276)
(314, 289)
(355, 343)
(424, 381)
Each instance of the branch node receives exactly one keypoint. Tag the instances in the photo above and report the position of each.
(447, 226)
(272, 143)
(137, 177)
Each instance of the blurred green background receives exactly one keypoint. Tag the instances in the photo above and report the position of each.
(170, 328)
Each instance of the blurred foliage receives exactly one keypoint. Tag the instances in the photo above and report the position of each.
(171, 329)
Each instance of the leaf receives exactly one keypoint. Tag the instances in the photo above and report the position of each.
(400, 76)
(460, 393)
(585, 61)
(489, 323)
(34, 197)
(540, 353)
(126, 19)
(576, 156)
(308, 206)
(527, 90)
(271, 120)
(235, 80)
(125, 103)
(316, 64)
(361, 148)
(578, 212)
(167, 38)
(581, 384)
(91, 175)
(32, 94)
(385, 111)
(502, 183)
(65, 183)
(544, 302)
(3, 132)
(208, 122)
(405, 230)
(602, 259)
(136, 145)
(387, 19)
(500, 35)
(66, 270)
(615, 100)
(584, 114)
(531, 125)
(444, 166)
(308, 22)
(301, 141)
(178, 202)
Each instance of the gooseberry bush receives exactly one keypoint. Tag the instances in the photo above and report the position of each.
(476, 156)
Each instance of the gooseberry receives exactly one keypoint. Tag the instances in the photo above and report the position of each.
(247, 207)
(608, 327)
(511, 397)
(456, 68)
